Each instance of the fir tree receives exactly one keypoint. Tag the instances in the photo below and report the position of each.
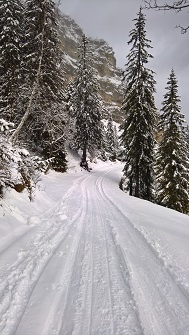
(172, 165)
(111, 140)
(86, 104)
(43, 44)
(44, 81)
(116, 142)
(11, 38)
(187, 135)
(140, 115)
(103, 153)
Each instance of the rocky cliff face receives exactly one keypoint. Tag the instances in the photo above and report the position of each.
(109, 76)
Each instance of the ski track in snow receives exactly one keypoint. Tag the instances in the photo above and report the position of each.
(169, 310)
(88, 269)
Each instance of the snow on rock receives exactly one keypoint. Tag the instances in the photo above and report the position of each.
(88, 259)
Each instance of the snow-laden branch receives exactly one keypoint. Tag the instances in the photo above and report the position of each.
(35, 85)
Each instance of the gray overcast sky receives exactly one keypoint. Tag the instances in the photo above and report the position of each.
(111, 20)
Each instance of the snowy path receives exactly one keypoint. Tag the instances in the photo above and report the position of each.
(99, 263)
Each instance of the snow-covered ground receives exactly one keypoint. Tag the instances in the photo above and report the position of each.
(84, 258)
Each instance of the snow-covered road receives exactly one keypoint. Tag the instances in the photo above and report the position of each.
(96, 262)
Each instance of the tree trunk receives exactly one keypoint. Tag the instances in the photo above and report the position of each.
(84, 156)
(131, 186)
(137, 191)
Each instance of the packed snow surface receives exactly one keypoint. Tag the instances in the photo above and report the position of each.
(84, 258)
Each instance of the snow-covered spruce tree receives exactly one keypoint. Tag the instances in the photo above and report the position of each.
(172, 164)
(103, 154)
(111, 140)
(86, 104)
(44, 86)
(187, 135)
(116, 143)
(11, 38)
(140, 115)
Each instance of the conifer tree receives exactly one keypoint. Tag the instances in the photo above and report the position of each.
(172, 165)
(116, 142)
(140, 115)
(11, 38)
(111, 140)
(44, 80)
(103, 149)
(86, 104)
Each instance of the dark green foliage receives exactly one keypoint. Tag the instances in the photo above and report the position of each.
(42, 59)
(11, 38)
(111, 140)
(138, 127)
(42, 41)
(85, 104)
(172, 166)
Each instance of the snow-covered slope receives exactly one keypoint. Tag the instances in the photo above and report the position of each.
(85, 258)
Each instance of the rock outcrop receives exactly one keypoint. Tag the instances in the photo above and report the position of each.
(109, 76)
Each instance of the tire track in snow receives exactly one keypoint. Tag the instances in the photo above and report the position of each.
(61, 302)
(83, 311)
(126, 315)
(83, 299)
(91, 264)
(91, 290)
(22, 280)
(102, 318)
(92, 313)
(18, 281)
(42, 217)
(109, 280)
(61, 318)
(112, 310)
(151, 244)
(168, 294)
(126, 312)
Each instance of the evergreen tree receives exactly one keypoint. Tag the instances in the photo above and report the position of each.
(111, 140)
(140, 115)
(11, 38)
(172, 165)
(103, 149)
(187, 135)
(86, 104)
(43, 45)
(44, 80)
(116, 142)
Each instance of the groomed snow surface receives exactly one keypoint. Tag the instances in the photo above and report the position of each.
(84, 258)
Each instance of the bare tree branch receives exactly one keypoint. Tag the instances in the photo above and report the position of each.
(176, 6)
(183, 29)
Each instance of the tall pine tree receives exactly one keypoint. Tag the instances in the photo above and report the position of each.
(172, 165)
(44, 81)
(11, 38)
(86, 104)
(111, 140)
(140, 115)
